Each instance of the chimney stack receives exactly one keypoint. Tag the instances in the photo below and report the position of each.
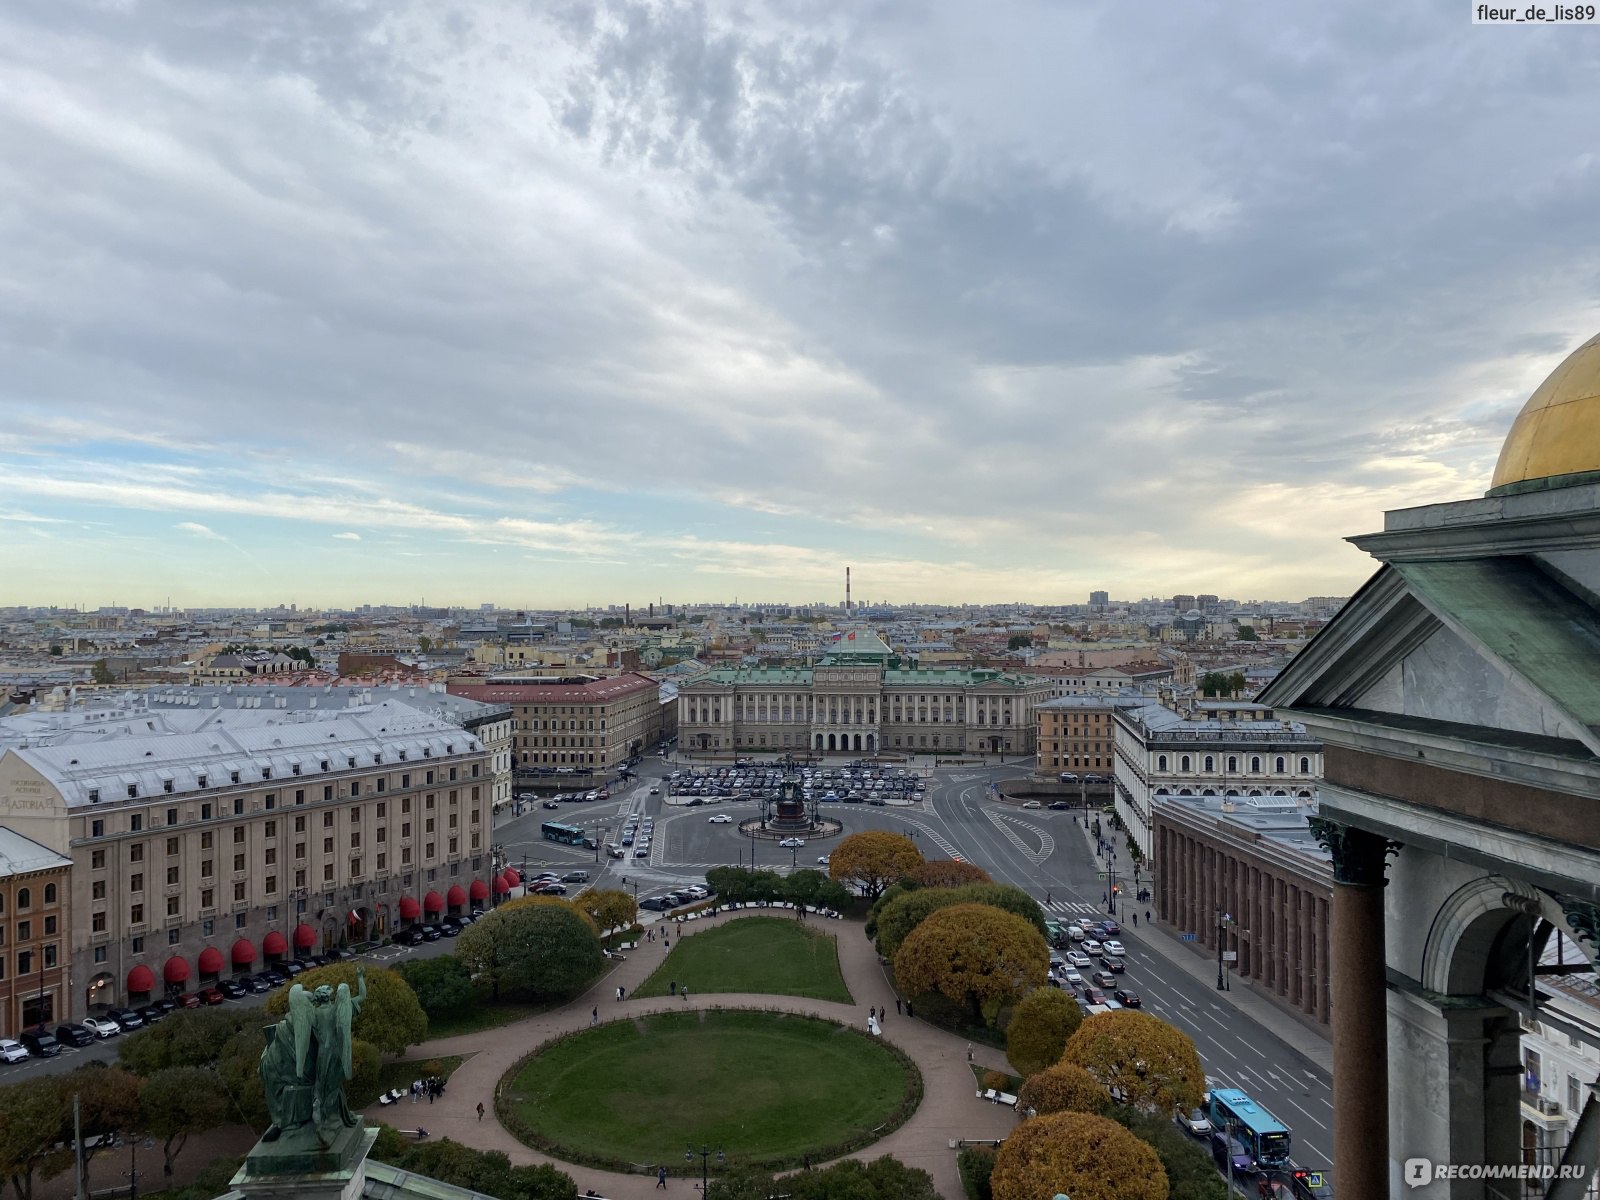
(847, 589)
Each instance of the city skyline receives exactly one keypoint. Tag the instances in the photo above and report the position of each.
(687, 300)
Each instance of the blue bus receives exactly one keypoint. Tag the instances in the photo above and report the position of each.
(1266, 1137)
(567, 835)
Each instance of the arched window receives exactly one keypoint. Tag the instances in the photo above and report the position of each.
(1208, 791)
(1185, 791)
(1183, 764)
(1211, 764)
(1233, 762)
(1255, 764)
(1161, 762)
(24, 898)
(49, 893)
(1305, 765)
(1279, 765)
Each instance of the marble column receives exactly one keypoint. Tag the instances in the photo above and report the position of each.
(1360, 1009)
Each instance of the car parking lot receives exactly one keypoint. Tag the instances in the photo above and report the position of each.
(858, 783)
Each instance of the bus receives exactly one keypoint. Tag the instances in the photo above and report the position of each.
(567, 835)
(1266, 1137)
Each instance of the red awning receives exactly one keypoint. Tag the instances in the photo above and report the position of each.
(274, 943)
(142, 979)
(457, 895)
(305, 937)
(244, 952)
(433, 902)
(176, 970)
(511, 876)
(409, 908)
(480, 890)
(501, 887)
(210, 961)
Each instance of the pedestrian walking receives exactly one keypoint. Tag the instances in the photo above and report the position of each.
(480, 1110)
(872, 1013)
(674, 987)
(909, 1014)
(1147, 916)
(594, 1016)
(969, 1051)
(619, 995)
(430, 1092)
(897, 1004)
(661, 1177)
(1047, 898)
(1136, 920)
(416, 1090)
(686, 995)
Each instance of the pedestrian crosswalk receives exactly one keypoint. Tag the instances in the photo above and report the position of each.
(1071, 906)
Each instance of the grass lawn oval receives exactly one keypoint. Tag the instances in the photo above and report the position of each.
(765, 1087)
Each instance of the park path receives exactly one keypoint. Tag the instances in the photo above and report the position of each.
(949, 1108)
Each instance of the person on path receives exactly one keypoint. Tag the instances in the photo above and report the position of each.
(480, 1110)
(1136, 920)
(897, 1004)
(686, 995)
(619, 995)
(431, 1093)
(872, 1013)
(969, 1051)
(416, 1090)
(674, 987)
(909, 1014)
(594, 1016)
(661, 1177)
(1147, 916)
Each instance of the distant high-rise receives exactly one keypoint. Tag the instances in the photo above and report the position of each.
(1182, 603)
(1099, 599)
(1205, 602)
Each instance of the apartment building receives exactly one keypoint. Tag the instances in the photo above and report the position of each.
(574, 721)
(1078, 733)
(34, 898)
(206, 842)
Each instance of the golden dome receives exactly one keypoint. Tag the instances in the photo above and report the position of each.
(1558, 430)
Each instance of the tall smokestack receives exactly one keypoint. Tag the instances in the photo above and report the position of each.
(627, 615)
(847, 589)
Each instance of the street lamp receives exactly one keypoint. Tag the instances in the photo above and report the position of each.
(1223, 921)
(705, 1160)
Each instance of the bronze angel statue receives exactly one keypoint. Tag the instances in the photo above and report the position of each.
(307, 1060)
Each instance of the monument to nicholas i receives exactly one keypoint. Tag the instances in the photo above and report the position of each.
(315, 1146)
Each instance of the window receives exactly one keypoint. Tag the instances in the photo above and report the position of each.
(49, 926)
(136, 914)
(98, 890)
(1210, 763)
(172, 813)
(355, 838)
(1305, 766)
(355, 867)
(172, 845)
(97, 924)
(272, 885)
(136, 882)
(272, 829)
(205, 868)
(1233, 762)
(238, 890)
(174, 936)
(24, 930)
(24, 961)
(97, 860)
(238, 862)
(138, 945)
(271, 857)
(50, 955)
(200, 781)
(172, 906)
(1183, 762)
(1255, 764)
(205, 840)
(327, 873)
(208, 898)
(299, 824)
(1278, 765)
(94, 798)
(135, 822)
(136, 853)
(24, 898)
(172, 874)
(327, 820)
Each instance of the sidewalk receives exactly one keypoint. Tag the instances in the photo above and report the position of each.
(1242, 995)
(949, 1109)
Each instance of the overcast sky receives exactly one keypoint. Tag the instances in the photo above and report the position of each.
(550, 305)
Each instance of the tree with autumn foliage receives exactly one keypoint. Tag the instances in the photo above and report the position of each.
(1062, 1088)
(872, 860)
(948, 873)
(974, 955)
(1141, 1060)
(534, 901)
(1039, 1029)
(1079, 1154)
(390, 1017)
(609, 909)
(899, 917)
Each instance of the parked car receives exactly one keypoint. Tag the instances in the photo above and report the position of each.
(232, 989)
(151, 1013)
(40, 1045)
(551, 888)
(430, 933)
(13, 1051)
(407, 937)
(575, 877)
(823, 860)
(126, 1019)
(1227, 1150)
(188, 1000)
(1127, 999)
(211, 995)
(1195, 1121)
(72, 1034)
(257, 984)
(450, 927)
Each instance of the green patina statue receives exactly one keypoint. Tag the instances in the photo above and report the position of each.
(307, 1060)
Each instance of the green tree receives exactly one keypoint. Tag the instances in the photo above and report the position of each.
(442, 985)
(1063, 1087)
(237, 1065)
(178, 1101)
(885, 1178)
(897, 920)
(872, 860)
(1247, 633)
(424, 643)
(56, 651)
(108, 1103)
(1079, 1154)
(101, 673)
(35, 1113)
(1237, 683)
(366, 1065)
(1039, 1029)
(974, 955)
(391, 1019)
(187, 1038)
(539, 950)
(1190, 1172)
(1148, 1064)
(488, 1172)
(610, 909)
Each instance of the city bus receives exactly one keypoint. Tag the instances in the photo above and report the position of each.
(1266, 1137)
(567, 835)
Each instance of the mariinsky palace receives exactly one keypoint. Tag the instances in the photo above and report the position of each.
(858, 700)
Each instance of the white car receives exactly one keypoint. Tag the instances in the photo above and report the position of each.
(1078, 959)
(1031, 804)
(1112, 946)
(1072, 977)
(13, 1052)
(824, 860)
(655, 791)
(792, 843)
(101, 1027)
(1195, 1121)
(720, 819)
(1091, 946)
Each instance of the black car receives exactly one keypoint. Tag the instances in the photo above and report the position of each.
(1059, 805)
(334, 955)
(40, 1045)
(1127, 999)
(407, 937)
(292, 967)
(231, 988)
(278, 972)
(151, 1013)
(317, 960)
(450, 927)
(430, 933)
(255, 984)
(126, 1018)
(72, 1034)
(1112, 963)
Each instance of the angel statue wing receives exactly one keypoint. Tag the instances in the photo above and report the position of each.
(344, 1012)
(300, 1018)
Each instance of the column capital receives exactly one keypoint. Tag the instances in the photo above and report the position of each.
(1360, 857)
